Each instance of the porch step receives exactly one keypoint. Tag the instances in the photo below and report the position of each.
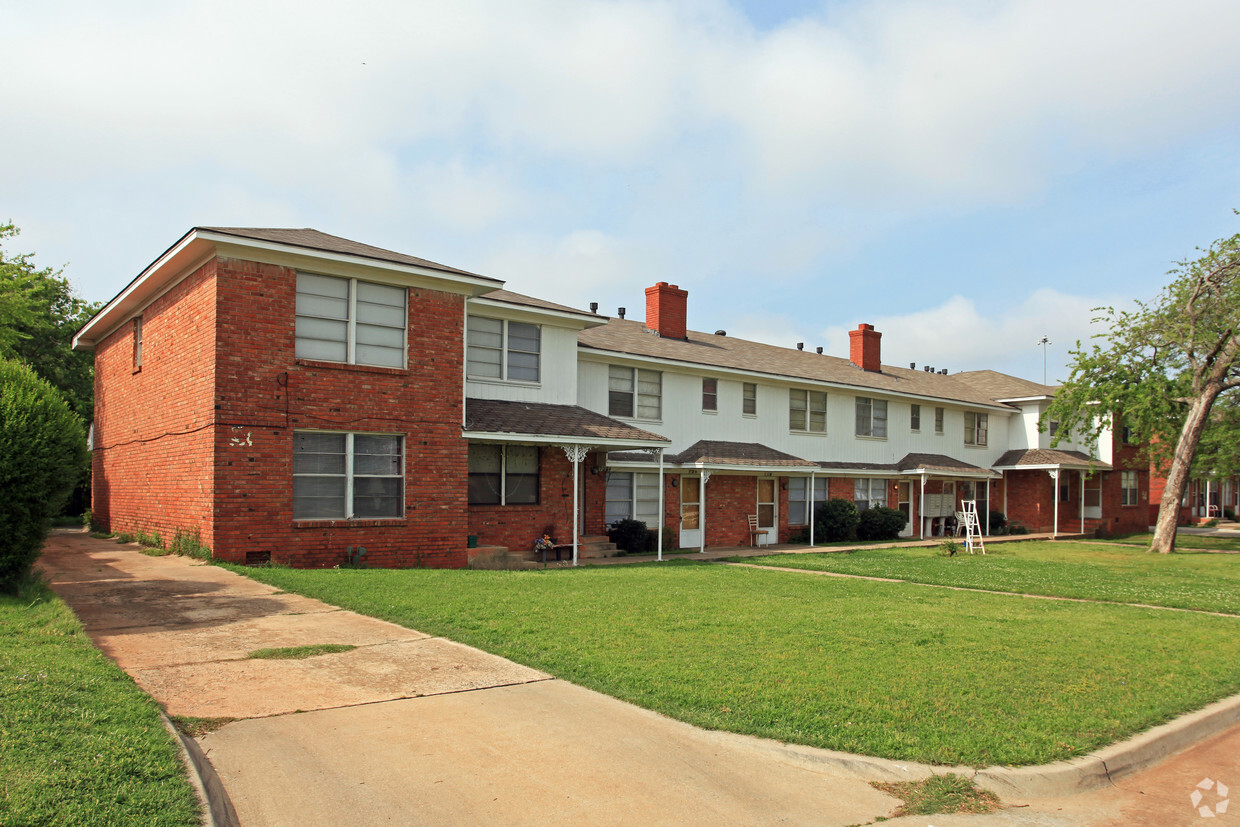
(596, 545)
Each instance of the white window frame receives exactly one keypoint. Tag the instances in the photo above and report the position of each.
(807, 409)
(628, 382)
(505, 350)
(914, 418)
(710, 395)
(871, 417)
(868, 484)
(351, 476)
(351, 322)
(749, 399)
(504, 473)
(798, 488)
(976, 429)
(644, 509)
(1129, 488)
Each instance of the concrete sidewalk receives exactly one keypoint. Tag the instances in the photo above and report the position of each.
(408, 728)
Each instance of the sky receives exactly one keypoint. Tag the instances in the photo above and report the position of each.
(966, 175)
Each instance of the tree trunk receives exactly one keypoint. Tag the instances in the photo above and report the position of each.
(1181, 463)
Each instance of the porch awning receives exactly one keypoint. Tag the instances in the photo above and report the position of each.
(939, 465)
(505, 421)
(1048, 459)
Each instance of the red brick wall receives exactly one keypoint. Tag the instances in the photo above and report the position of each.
(153, 427)
(264, 394)
(1030, 500)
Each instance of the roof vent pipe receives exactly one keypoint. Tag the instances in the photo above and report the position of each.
(943, 371)
(912, 366)
(721, 333)
(800, 345)
(593, 307)
(620, 312)
(819, 349)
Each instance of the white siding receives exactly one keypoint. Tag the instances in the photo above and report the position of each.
(558, 369)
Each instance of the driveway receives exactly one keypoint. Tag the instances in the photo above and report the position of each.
(408, 728)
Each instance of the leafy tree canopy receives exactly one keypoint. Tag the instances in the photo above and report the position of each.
(39, 313)
(1162, 367)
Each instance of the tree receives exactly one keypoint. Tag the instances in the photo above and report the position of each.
(42, 447)
(39, 313)
(1162, 368)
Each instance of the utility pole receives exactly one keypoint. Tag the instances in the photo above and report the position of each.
(1043, 342)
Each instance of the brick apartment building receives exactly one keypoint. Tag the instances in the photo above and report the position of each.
(291, 395)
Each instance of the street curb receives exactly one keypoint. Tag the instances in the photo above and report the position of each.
(1104, 766)
(217, 808)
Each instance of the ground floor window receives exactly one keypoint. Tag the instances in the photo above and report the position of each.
(633, 496)
(869, 493)
(503, 474)
(798, 498)
(1128, 488)
(340, 476)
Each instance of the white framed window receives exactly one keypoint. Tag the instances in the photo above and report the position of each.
(975, 428)
(710, 394)
(632, 495)
(807, 411)
(1128, 490)
(871, 417)
(502, 349)
(503, 474)
(914, 418)
(869, 493)
(749, 399)
(350, 321)
(798, 498)
(634, 392)
(341, 476)
(938, 420)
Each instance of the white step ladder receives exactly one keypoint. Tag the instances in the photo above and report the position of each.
(972, 529)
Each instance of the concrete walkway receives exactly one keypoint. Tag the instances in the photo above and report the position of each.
(408, 728)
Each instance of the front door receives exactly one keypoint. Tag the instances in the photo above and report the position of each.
(905, 504)
(690, 512)
(767, 512)
(1093, 497)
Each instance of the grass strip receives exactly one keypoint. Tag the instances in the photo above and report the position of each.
(198, 727)
(79, 742)
(1183, 542)
(939, 794)
(298, 652)
(892, 670)
(1091, 571)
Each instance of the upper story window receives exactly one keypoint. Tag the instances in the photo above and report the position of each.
(807, 411)
(938, 420)
(749, 399)
(350, 321)
(339, 476)
(500, 349)
(871, 417)
(634, 392)
(914, 418)
(1053, 427)
(975, 428)
(137, 344)
(1125, 435)
(710, 394)
(503, 474)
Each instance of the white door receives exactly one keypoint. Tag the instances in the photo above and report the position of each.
(905, 505)
(767, 512)
(690, 513)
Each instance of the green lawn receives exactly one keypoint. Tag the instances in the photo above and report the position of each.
(894, 670)
(79, 742)
(1183, 542)
(1094, 571)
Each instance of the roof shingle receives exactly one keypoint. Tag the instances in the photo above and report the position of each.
(496, 416)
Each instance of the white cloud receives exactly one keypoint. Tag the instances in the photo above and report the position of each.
(574, 269)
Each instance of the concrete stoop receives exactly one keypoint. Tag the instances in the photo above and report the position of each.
(595, 546)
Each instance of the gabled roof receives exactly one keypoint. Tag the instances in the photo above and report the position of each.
(1049, 458)
(542, 422)
(711, 350)
(1003, 386)
(710, 452)
(940, 464)
(509, 297)
(312, 239)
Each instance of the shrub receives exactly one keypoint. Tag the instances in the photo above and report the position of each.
(948, 548)
(1016, 528)
(42, 451)
(836, 520)
(189, 544)
(1229, 514)
(669, 539)
(629, 535)
(881, 523)
(998, 522)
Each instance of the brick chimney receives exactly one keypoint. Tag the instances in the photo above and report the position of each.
(865, 348)
(665, 310)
